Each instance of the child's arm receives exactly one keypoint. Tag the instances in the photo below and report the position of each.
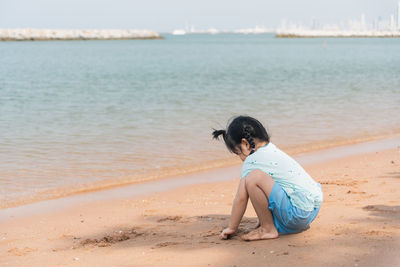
(238, 209)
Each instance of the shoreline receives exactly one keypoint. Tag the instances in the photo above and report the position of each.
(177, 171)
(218, 174)
(357, 224)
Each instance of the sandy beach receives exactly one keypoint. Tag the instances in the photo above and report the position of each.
(358, 224)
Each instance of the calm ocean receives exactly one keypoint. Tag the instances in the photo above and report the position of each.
(86, 114)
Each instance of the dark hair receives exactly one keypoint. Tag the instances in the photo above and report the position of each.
(239, 128)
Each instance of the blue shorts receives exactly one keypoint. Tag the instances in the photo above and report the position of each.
(288, 219)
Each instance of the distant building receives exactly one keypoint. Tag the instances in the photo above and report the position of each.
(315, 25)
(392, 23)
(363, 23)
(398, 16)
(378, 27)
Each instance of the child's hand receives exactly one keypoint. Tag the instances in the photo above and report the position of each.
(226, 233)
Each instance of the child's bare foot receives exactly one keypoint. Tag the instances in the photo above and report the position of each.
(259, 234)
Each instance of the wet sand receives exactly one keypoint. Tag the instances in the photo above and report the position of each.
(31, 190)
(358, 224)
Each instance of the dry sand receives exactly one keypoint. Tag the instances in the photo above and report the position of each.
(358, 225)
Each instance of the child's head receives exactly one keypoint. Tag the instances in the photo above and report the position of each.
(243, 133)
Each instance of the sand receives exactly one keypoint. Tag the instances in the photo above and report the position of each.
(358, 225)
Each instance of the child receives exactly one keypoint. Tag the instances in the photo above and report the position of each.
(285, 198)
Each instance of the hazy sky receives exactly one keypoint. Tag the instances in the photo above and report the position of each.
(166, 15)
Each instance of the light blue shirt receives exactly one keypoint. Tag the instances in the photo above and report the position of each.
(302, 190)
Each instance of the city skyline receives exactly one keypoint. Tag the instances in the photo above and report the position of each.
(380, 23)
(166, 17)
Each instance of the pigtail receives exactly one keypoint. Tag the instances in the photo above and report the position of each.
(217, 133)
(249, 138)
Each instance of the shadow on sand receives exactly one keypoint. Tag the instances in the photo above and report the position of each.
(390, 212)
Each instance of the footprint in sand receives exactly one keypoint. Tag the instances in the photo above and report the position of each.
(108, 240)
(355, 192)
(344, 182)
(170, 218)
(21, 252)
(213, 232)
(378, 233)
(166, 244)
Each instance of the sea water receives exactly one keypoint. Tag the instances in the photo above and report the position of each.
(83, 115)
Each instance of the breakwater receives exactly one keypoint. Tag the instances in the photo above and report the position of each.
(55, 34)
(303, 33)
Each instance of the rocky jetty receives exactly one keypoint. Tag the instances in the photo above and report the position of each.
(53, 34)
(335, 33)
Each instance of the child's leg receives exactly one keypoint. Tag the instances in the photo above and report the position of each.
(259, 186)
